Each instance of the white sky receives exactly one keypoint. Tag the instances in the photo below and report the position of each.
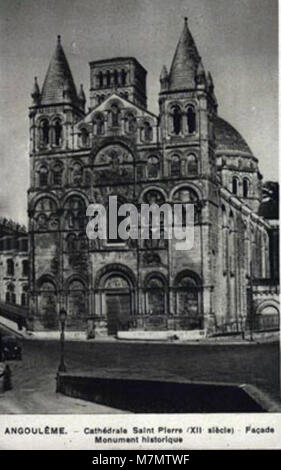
(237, 39)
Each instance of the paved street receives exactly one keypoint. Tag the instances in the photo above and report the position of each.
(34, 377)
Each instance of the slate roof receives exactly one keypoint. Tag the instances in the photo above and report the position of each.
(185, 62)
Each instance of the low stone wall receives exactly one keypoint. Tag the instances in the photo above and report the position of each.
(150, 396)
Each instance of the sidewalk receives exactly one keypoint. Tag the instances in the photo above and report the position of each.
(143, 338)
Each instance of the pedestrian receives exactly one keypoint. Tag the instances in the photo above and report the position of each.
(7, 383)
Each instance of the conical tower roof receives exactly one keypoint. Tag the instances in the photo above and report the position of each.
(185, 62)
(58, 75)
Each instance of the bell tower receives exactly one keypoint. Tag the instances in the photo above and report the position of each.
(56, 108)
(187, 105)
(187, 108)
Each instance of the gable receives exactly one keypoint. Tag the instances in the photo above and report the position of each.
(124, 105)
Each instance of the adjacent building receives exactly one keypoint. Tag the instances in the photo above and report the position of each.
(14, 263)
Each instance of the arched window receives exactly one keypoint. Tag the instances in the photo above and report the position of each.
(115, 75)
(187, 195)
(84, 136)
(147, 132)
(177, 120)
(25, 267)
(115, 113)
(57, 174)
(153, 167)
(57, 132)
(43, 176)
(235, 185)
(175, 166)
(45, 132)
(45, 204)
(10, 294)
(245, 187)
(192, 167)
(108, 78)
(10, 267)
(100, 79)
(71, 243)
(75, 213)
(123, 77)
(155, 296)
(191, 120)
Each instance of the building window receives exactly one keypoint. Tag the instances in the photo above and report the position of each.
(177, 120)
(108, 78)
(43, 176)
(235, 185)
(71, 243)
(175, 166)
(153, 167)
(191, 120)
(192, 167)
(10, 267)
(100, 79)
(57, 132)
(245, 187)
(45, 132)
(123, 77)
(187, 195)
(10, 294)
(115, 76)
(25, 267)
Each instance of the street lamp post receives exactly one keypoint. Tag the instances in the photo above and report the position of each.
(0, 346)
(62, 316)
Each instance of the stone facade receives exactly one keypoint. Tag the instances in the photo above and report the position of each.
(186, 154)
(14, 263)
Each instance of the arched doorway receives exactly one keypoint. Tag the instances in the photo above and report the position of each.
(188, 302)
(118, 303)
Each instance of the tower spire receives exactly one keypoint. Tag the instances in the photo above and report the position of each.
(59, 79)
(185, 62)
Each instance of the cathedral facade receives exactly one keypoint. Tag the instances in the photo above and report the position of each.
(186, 154)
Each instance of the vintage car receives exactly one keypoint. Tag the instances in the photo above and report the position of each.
(11, 348)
